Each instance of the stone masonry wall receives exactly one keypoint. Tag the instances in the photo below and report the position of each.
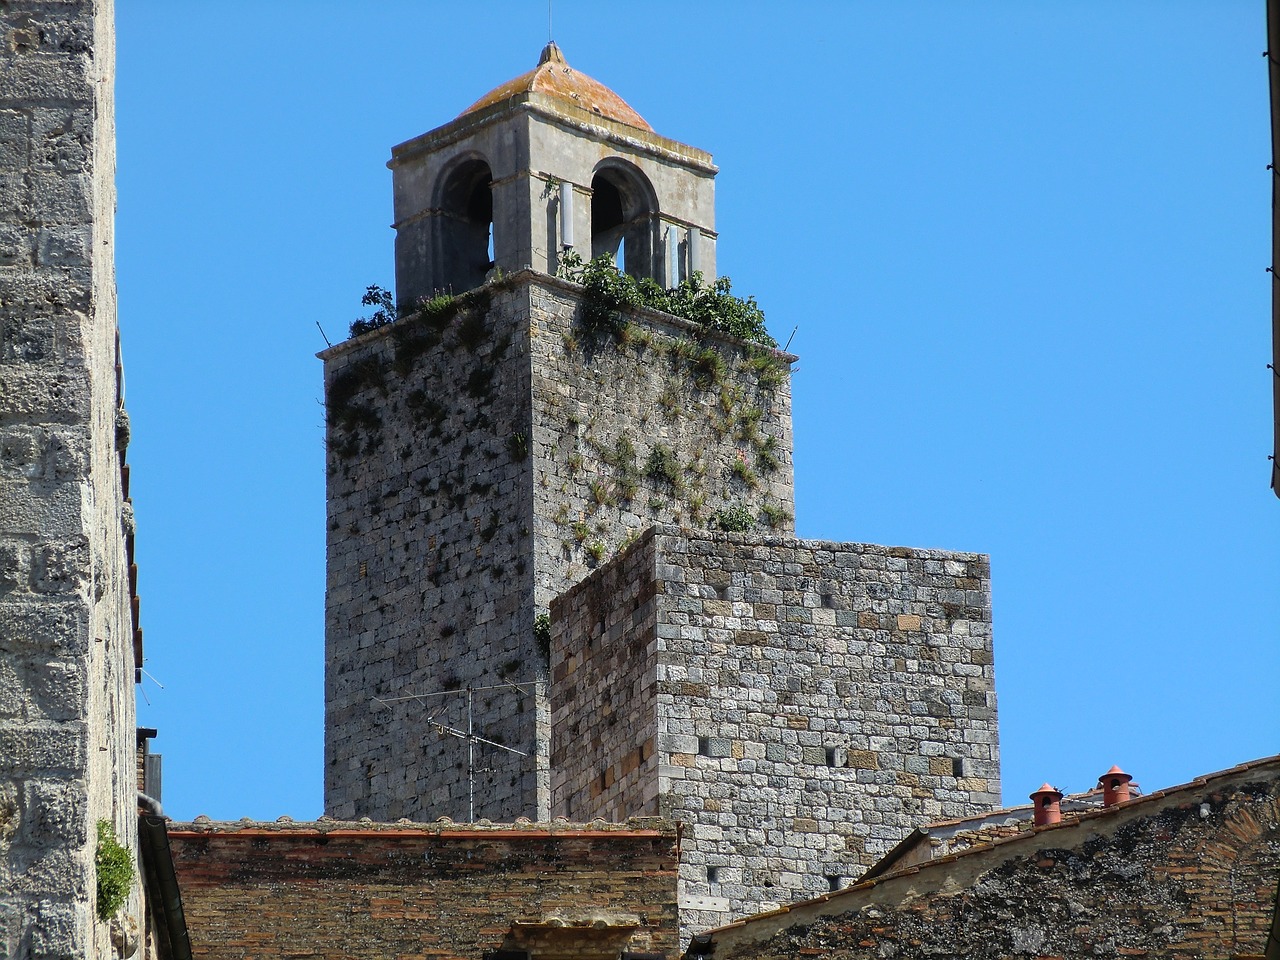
(604, 701)
(1189, 875)
(66, 631)
(437, 891)
(480, 464)
(665, 424)
(815, 701)
(429, 584)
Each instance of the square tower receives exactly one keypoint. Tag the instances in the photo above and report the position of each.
(799, 705)
(490, 449)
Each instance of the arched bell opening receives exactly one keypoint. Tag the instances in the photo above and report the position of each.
(623, 211)
(465, 226)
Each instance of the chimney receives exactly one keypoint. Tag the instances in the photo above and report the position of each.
(1115, 786)
(1048, 810)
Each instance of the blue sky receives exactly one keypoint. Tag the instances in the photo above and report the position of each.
(1023, 247)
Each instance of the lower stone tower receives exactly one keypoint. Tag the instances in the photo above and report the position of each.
(801, 706)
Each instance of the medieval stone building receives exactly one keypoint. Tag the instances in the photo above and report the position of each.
(797, 704)
(563, 583)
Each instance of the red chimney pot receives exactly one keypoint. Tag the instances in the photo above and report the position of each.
(1048, 802)
(1115, 786)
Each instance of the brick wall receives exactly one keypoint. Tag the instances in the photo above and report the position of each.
(1187, 873)
(811, 703)
(66, 635)
(433, 891)
(479, 467)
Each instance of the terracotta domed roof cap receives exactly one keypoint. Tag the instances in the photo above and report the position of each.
(554, 77)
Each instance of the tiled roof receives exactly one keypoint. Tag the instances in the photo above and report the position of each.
(1085, 815)
(554, 77)
(521, 827)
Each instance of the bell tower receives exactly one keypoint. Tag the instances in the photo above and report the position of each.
(488, 451)
(549, 161)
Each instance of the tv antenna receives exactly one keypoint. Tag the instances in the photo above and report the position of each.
(469, 734)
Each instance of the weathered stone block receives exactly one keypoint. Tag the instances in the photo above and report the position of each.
(59, 396)
(25, 335)
(42, 748)
(813, 756)
(863, 759)
(39, 77)
(61, 567)
(64, 246)
(39, 512)
(15, 244)
(15, 137)
(60, 627)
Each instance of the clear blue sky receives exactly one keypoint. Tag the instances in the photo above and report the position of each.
(1024, 245)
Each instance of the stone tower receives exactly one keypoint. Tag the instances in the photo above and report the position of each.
(489, 451)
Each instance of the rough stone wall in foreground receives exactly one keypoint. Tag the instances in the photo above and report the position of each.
(438, 891)
(66, 637)
(812, 703)
(1193, 878)
(480, 464)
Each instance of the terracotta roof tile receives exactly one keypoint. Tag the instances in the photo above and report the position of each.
(554, 77)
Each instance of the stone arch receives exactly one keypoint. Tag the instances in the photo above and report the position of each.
(624, 212)
(463, 204)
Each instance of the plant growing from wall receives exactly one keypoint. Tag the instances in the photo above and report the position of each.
(663, 467)
(472, 329)
(375, 296)
(716, 308)
(551, 186)
(769, 368)
(609, 293)
(742, 472)
(766, 455)
(734, 519)
(518, 446)
(600, 493)
(542, 635)
(113, 865)
(697, 503)
(708, 367)
(773, 515)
